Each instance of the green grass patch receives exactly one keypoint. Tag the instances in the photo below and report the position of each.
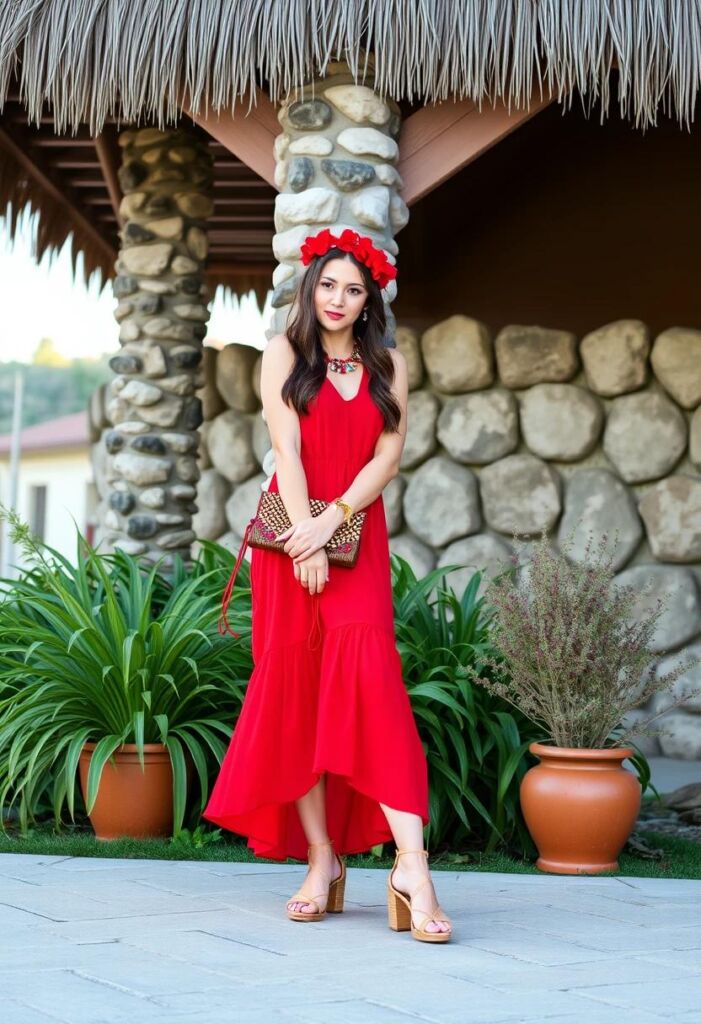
(681, 858)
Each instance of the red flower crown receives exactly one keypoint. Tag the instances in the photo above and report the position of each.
(350, 241)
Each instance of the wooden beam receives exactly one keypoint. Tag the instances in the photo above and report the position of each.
(250, 136)
(437, 141)
(108, 155)
(20, 152)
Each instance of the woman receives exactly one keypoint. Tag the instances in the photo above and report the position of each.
(326, 757)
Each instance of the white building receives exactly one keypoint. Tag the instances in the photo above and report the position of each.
(56, 492)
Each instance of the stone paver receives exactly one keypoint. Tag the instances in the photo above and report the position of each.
(103, 940)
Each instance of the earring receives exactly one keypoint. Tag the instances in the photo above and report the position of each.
(365, 314)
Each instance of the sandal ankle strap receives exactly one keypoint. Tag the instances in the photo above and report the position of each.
(328, 842)
(399, 852)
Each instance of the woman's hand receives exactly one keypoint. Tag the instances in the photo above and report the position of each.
(313, 572)
(309, 535)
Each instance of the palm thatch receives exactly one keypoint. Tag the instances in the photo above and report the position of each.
(132, 58)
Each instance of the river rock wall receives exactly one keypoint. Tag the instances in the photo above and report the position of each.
(531, 429)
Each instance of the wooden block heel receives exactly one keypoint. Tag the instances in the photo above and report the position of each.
(399, 909)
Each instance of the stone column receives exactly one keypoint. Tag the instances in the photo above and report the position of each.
(335, 168)
(151, 466)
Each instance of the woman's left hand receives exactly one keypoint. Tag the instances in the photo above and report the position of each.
(305, 537)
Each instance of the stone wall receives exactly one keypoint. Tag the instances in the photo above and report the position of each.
(530, 429)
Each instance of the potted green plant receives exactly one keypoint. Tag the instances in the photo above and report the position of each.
(116, 669)
(575, 658)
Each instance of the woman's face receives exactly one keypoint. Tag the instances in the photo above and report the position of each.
(341, 290)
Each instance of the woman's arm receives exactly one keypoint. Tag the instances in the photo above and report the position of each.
(283, 425)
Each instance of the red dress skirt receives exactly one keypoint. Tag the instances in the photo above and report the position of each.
(326, 693)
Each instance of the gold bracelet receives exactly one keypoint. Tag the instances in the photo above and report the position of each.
(345, 507)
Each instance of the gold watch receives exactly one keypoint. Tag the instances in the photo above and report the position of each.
(347, 510)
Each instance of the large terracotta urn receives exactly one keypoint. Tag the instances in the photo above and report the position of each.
(580, 806)
(131, 801)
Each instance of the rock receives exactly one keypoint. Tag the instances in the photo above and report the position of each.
(392, 500)
(176, 539)
(299, 173)
(310, 145)
(420, 557)
(441, 501)
(134, 233)
(187, 357)
(481, 552)
(140, 393)
(232, 542)
(150, 444)
(129, 330)
(389, 175)
(194, 204)
(131, 175)
(167, 227)
(260, 437)
(124, 285)
(671, 511)
(242, 504)
(187, 469)
(230, 446)
(165, 414)
(676, 360)
(422, 410)
(598, 503)
(535, 355)
(131, 204)
(308, 115)
(645, 435)
(162, 327)
(147, 259)
(141, 469)
(148, 305)
(177, 384)
(560, 421)
(234, 376)
(153, 497)
(520, 494)
(133, 427)
(122, 501)
(212, 492)
(348, 175)
(113, 441)
(130, 547)
(284, 293)
(184, 265)
(687, 685)
(197, 244)
(458, 355)
(141, 527)
(149, 136)
(192, 417)
(359, 103)
(407, 341)
(287, 244)
(615, 357)
(480, 427)
(681, 737)
(183, 444)
(677, 587)
(156, 287)
(313, 206)
(398, 213)
(191, 311)
(368, 141)
(169, 519)
(117, 410)
(182, 492)
(370, 207)
(282, 272)
(125, 364)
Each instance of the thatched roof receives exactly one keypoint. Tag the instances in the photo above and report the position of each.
(131, 57)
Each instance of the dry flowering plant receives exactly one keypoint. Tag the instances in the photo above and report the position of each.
(574, 648)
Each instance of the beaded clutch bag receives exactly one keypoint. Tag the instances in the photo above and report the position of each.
(271, 519)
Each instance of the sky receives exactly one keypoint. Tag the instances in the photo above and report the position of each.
(44, 300)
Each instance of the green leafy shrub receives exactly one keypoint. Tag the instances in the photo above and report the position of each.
(108, 650)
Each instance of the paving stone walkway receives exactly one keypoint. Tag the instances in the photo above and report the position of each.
(86, 941)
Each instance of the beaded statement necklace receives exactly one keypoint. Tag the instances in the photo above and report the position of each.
(340, 365)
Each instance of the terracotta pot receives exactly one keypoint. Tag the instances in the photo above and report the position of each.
(580, 806)
(131, 801)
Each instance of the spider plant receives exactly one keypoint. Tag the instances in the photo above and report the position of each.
(108, 650)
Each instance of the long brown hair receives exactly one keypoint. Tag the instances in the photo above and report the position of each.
(309, 369)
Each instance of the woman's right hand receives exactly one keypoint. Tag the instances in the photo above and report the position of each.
(313, 571)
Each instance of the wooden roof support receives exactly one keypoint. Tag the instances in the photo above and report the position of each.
(17, 145)
(249, 136)
(108, 155)
(437, 141)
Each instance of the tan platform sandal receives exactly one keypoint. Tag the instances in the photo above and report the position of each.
(334, 903)
(399, 909)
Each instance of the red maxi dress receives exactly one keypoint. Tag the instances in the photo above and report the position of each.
(326, 693)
